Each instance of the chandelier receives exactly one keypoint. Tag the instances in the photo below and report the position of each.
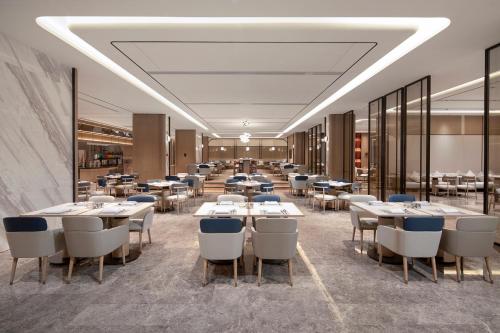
(245, 137)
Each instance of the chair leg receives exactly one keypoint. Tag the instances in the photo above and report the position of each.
(13, 270)
(70, 268)
(379, 250)
(457, 266)
(149, 236)
(205, 272)
(353, 233)
(45, 264)
(405, 269)
(290, 271)
(374, 235)
(123, 254)
(361, 236)
(235, 270)
(101, 267)
(39, 269)
(140, 241)
(434, 269)
(488, 268)
(259, 272)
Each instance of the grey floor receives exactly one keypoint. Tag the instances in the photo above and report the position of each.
(335, 289)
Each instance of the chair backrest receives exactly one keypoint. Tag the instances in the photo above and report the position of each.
(220, 225)
(401, 198)
(240, 178)
(195, 179)
(275, 238)
(288, 166)
(102, 198)
(24, 224)
(172, 178)
(231, 197)
(362, 198)
(142, 198)
(102, 182)
(423, 223)
(273, 225)
(231, 180)
(147, 221)
(265, 187)
(143, 186)
(204, 166)
(301, 177)
(82, 223)
(266, 197)
(478, 224)
(188, 181)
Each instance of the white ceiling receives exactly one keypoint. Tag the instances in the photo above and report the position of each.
(269, 84)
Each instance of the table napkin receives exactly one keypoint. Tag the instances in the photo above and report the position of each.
(272, 210)
(395, 210)
(57, 210)
(271, 203)
(223, 209)
(112, 209)
(128, 203)
(226, 203)
(376, 203)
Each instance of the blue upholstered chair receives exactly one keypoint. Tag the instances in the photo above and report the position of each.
(267, 188)
(142, 198)
(28, 237)
(172, 178)
(419, 238)
(299, 183)
(221, 239)
(401, 198)
(266, 197)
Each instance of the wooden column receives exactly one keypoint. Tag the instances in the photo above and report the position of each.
(149, 150)
(185, 149)
(341, 145)
(204, 152)
(299, 139)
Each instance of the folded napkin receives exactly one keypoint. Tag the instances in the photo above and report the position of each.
(423, 203)
(272, 210)
(376, 203)
(223, 209)
(58, 210)
(271, 203)
(395, 210)
(128, 203)
(226, 203)
(449, 210)
(112, 209)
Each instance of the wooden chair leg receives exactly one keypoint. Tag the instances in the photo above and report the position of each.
(45, 264)
(434, 269)
(70, 268)
(235, 270)
(290, 271)
(205, 272)
(149, 236)
(13, 270)
(39, 269)
(374, 235)
(405, 269)
(457, 266)
(379, 250)
(123, 254)
(353, 233)
(101, 267)
(462, 276)
(259, 272)
(140, 241)
(361, 236)
(488, 268)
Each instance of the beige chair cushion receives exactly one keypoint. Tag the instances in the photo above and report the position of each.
(82, 223)
(477, 224)
(270, 225)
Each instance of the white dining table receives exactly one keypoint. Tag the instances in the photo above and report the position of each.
(213, 209)
(282, 209)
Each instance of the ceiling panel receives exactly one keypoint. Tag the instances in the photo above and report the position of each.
(298, 89)
(247, 111)
(244, 56)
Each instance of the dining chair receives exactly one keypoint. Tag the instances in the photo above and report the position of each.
(267, 187)
(320, 191)
(197, 184)
(467, 183)
(83, 190)
(172, 178)
(473, 237)
(86, 238)
(419, 238)
(360, 219)
(179, 195)
(231, 197)
(140, 225)
(204, 170)
(299, 183)
(274, 239)
(448, 184)
(29, 237)
(266, 197)
(402, 197)
(221, 239)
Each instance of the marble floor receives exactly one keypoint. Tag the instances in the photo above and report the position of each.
(336, 289)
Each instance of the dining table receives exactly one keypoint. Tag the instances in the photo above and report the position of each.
(113, 214)
(163, 186)
(248, 209)
(393, 213)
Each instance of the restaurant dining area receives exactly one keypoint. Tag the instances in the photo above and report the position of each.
(236, 167)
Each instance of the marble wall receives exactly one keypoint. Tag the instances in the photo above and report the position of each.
(35, 131)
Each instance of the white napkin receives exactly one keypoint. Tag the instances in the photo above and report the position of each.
(128, 203)
(395, 210)
(272, 210)
(449, 210)
(112, 209)
(423, 203)
(223, 209)
(271, 203)
(376, 203)
(226, 203)
(57, 210)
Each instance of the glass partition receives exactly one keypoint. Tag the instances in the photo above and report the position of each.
(393, 142)
(375, 122)
(492, 128)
